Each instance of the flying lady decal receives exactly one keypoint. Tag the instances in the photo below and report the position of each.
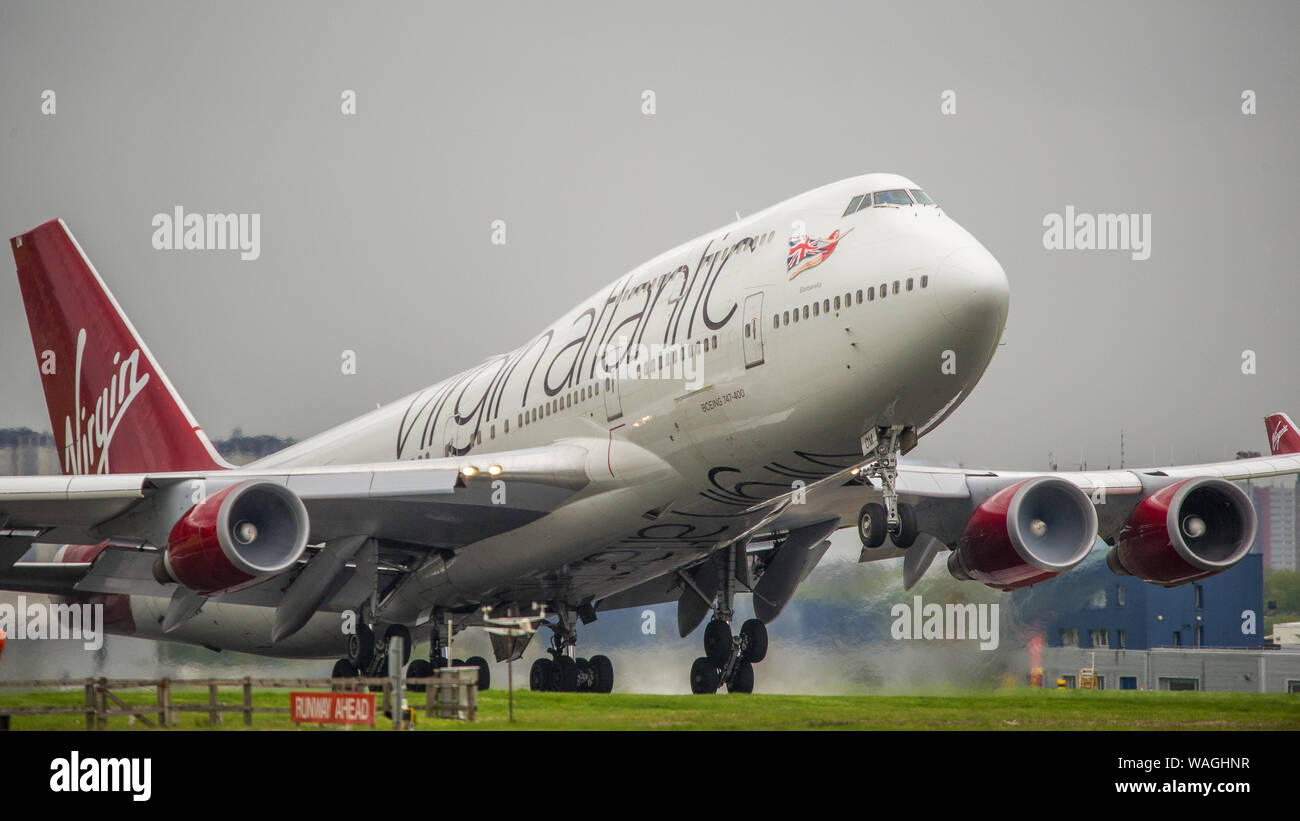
(806, 252)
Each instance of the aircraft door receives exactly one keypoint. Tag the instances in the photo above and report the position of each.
(752, 335)
(613, 401)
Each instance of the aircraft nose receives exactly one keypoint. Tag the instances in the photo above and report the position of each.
(972, 289)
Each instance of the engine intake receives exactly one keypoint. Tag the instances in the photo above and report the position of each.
(1026, 533)
(235, 538)
(1186, 531)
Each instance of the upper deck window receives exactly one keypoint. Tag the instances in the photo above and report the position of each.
(921, 197)
(896, 196)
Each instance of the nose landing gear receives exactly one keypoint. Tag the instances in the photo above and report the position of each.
(894, 518)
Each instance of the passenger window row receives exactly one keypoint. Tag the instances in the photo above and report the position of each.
(568, 400)
(555, 405)
(826, 306)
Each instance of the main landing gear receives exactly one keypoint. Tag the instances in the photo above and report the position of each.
(422, 668)
(728, 659)
(368, 657)
(562, 672)
(893, 519)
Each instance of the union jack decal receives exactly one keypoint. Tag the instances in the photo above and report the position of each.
(806, 252)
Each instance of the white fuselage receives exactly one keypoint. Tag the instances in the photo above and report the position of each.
(787, 401)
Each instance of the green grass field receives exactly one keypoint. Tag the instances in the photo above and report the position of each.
(1010, 709)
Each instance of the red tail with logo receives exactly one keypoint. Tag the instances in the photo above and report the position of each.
(1282, 435)
(112, 409)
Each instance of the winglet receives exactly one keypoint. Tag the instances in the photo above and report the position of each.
(1282, 434)
(112, 409)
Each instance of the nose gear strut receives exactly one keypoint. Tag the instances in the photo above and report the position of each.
(898, 520)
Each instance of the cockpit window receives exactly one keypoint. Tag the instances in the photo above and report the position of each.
(854, 203)
(896, 196)
(921, 197)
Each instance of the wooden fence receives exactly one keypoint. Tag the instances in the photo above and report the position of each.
(452, 692)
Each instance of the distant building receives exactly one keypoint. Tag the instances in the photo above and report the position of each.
(25, 452)
(1092, 608)
(1286, 634)
(1168, 668)
(1276, 537)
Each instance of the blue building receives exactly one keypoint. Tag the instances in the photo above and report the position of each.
(1092, 608)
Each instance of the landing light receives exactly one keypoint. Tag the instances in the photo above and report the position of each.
(494, 470)
(469, 471)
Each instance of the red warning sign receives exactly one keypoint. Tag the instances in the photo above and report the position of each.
(332, 708)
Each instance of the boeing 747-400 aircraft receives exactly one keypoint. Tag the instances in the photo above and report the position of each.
(694, 430)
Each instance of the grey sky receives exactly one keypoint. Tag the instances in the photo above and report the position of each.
(375, 228)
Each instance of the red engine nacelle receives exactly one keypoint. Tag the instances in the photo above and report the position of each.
(235, 538)
(1186, 531)
(1025, 534)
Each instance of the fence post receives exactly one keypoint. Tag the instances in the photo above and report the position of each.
(214, 716)
(430, 696)
(166, 718)
(90, 704)
(248, 701)
(101, 704)
(472, 698)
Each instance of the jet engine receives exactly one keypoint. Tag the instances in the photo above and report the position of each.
(235, 538)
(1186, 531)
(1026, 533)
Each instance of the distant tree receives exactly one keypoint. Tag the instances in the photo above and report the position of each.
(1283, 587)
(1248, 454)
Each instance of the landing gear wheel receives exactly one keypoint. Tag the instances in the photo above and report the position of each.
(742, 679)
(484, 672)
(585, 678)
(539, 677)
(604, 672)
(361, 647)
(906, 535)
(704, 676)
(871, 524)
(344, 669)
(717, 642)
(400, 631)
(420, 668)
(753, 637)
(458, 662)
(564, 675)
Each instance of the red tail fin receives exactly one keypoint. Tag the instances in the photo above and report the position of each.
(1282, 435)
(111, 407)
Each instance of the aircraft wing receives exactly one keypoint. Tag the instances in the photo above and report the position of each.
(422, 505)
(1166, 525)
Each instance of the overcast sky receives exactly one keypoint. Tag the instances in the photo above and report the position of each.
(376, 227)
